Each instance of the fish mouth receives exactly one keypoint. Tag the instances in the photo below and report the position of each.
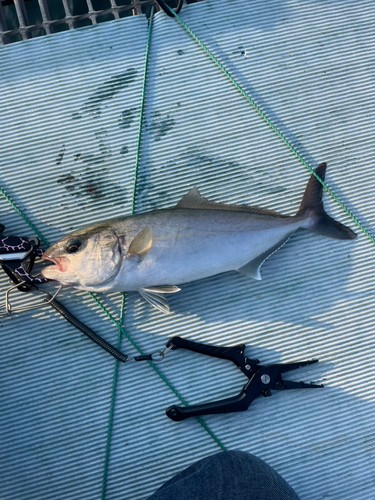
(60, 263)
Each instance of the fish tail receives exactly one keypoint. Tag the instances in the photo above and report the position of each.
(312, 210)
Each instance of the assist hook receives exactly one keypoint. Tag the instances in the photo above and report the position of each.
(167, 9)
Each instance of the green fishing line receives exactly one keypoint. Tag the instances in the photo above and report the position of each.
(272, 125)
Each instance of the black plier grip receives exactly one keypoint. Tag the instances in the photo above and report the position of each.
(234, 353)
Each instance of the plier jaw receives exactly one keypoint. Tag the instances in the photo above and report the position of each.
(262, 380)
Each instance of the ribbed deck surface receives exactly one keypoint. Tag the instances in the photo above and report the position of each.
(69, 118)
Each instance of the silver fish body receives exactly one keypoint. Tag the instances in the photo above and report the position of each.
(154, 252)
(189, 245)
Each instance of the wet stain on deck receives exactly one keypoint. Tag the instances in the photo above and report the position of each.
(105, 92)
(60, 156)
(160, 125)
(90, 179)
(207, 169)
(126, 118)
(91, 185)
(81, 184)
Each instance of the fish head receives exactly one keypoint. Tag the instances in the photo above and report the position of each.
(85, 258)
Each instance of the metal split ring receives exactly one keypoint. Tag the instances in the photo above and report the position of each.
(161, 354)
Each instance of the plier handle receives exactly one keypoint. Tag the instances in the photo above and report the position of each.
(262, 379)
(17, 257)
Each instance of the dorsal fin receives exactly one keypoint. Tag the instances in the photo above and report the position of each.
(194, 201)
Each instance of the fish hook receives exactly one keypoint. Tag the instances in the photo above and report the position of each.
(167, 9)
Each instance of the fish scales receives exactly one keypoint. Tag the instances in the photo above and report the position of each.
(189, 245)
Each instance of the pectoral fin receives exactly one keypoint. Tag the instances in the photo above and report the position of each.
(140, 245)
(155, 299)
(252, 268)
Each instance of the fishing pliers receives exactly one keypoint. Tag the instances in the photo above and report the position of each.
(17, 257)
(262, 379)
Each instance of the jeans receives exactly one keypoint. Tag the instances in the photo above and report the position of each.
(229, 475)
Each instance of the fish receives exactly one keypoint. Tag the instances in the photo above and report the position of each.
(154, 252)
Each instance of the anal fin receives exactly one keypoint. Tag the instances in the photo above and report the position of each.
(162, 289)
(252, 268)
(155, 299)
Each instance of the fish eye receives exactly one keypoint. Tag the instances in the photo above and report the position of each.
(73, 246)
